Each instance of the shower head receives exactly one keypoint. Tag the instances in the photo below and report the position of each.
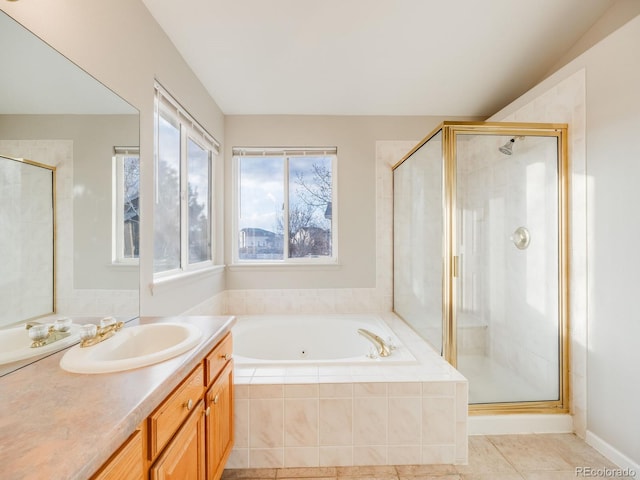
(507, 148)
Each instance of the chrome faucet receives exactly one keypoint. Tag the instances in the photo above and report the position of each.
(383, 349)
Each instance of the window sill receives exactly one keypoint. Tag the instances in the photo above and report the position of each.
(125, 266)
(275, 267)
(162, 284)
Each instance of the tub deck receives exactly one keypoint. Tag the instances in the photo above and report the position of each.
(344, 415)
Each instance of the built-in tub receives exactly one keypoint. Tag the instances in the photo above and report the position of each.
(314, 340)
(307, 394)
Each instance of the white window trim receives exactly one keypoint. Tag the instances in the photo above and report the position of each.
(189, 129)
(117, 230)
(239, 152)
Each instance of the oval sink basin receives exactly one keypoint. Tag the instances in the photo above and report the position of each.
(15, 344)
(133, 347)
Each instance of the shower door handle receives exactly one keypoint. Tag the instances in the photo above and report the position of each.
(455, 266)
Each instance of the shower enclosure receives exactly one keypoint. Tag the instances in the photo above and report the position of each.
(480, 258)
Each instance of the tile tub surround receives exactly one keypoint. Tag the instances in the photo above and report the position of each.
(342, 415)
(61, 425)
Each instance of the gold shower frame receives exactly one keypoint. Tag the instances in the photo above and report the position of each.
(450, 131)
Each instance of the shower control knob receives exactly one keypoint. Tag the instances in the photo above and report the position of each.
(521, 238)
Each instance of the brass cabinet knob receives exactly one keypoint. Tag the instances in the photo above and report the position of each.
(207, 411)
(189, 405)
(226, 356)
(216, 398)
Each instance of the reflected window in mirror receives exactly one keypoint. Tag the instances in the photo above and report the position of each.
(126, 205)
(184, 161)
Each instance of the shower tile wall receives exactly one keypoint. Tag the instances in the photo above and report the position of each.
(70, 301)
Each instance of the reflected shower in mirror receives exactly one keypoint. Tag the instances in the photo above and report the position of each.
(57, 115)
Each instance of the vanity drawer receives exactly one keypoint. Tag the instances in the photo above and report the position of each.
(168, 417)
(218, 358)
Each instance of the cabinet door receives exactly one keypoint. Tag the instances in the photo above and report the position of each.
(127, 463)
(219, 404)
(184, 456)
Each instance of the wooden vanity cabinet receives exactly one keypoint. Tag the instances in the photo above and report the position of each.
(128, 462)
(190, 434)
(184, 457)
(219, 420)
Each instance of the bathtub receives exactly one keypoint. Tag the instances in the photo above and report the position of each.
(307, 394)
(314, 340)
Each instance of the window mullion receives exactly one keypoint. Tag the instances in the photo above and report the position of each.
(184, 201)
(285, 211)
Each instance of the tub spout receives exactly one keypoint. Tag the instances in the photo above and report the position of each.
(383, 349)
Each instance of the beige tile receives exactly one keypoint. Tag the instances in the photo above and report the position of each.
(266, 428)
(438, 420)
(369, 389)
(370, 416)
(333, 390)
(371, 455)
(301, 422)
(493, 476)
(249, 474)
(336, 456)
(421, 470)
(404, 389)
(404, 454)
(303, 457)
(301, 391)
(336, 421)
(576, 452)
(484, 457)
(368, 472)
(530, 452)
(438, 454)
(554, 476)
(266, 457)
(405, 416)
(430, 477)
(307, 473)
(369, 477)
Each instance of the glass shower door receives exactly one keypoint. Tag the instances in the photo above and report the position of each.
(506, 293)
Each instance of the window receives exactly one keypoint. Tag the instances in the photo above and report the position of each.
(284, 205)
(126, 213)
(183, 190)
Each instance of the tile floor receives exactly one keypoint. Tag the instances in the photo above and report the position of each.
(495, 457)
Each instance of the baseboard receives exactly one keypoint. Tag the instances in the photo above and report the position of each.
(612, 453)
(519, 423)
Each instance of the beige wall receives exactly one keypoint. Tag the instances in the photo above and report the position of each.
(355, 137)
(120, 44)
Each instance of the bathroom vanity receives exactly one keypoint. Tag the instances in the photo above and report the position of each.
(170, 420)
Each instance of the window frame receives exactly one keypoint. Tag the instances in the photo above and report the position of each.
(189, 130)
(117, 230)
(285, 153)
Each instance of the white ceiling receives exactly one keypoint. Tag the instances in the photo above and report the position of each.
(372, 57)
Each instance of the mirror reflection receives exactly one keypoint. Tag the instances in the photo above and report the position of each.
(55, 114)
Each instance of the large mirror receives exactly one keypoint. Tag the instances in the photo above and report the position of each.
(55, 114)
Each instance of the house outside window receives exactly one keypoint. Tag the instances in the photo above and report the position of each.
(126, 208)
(284, 205)
(183, 219)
